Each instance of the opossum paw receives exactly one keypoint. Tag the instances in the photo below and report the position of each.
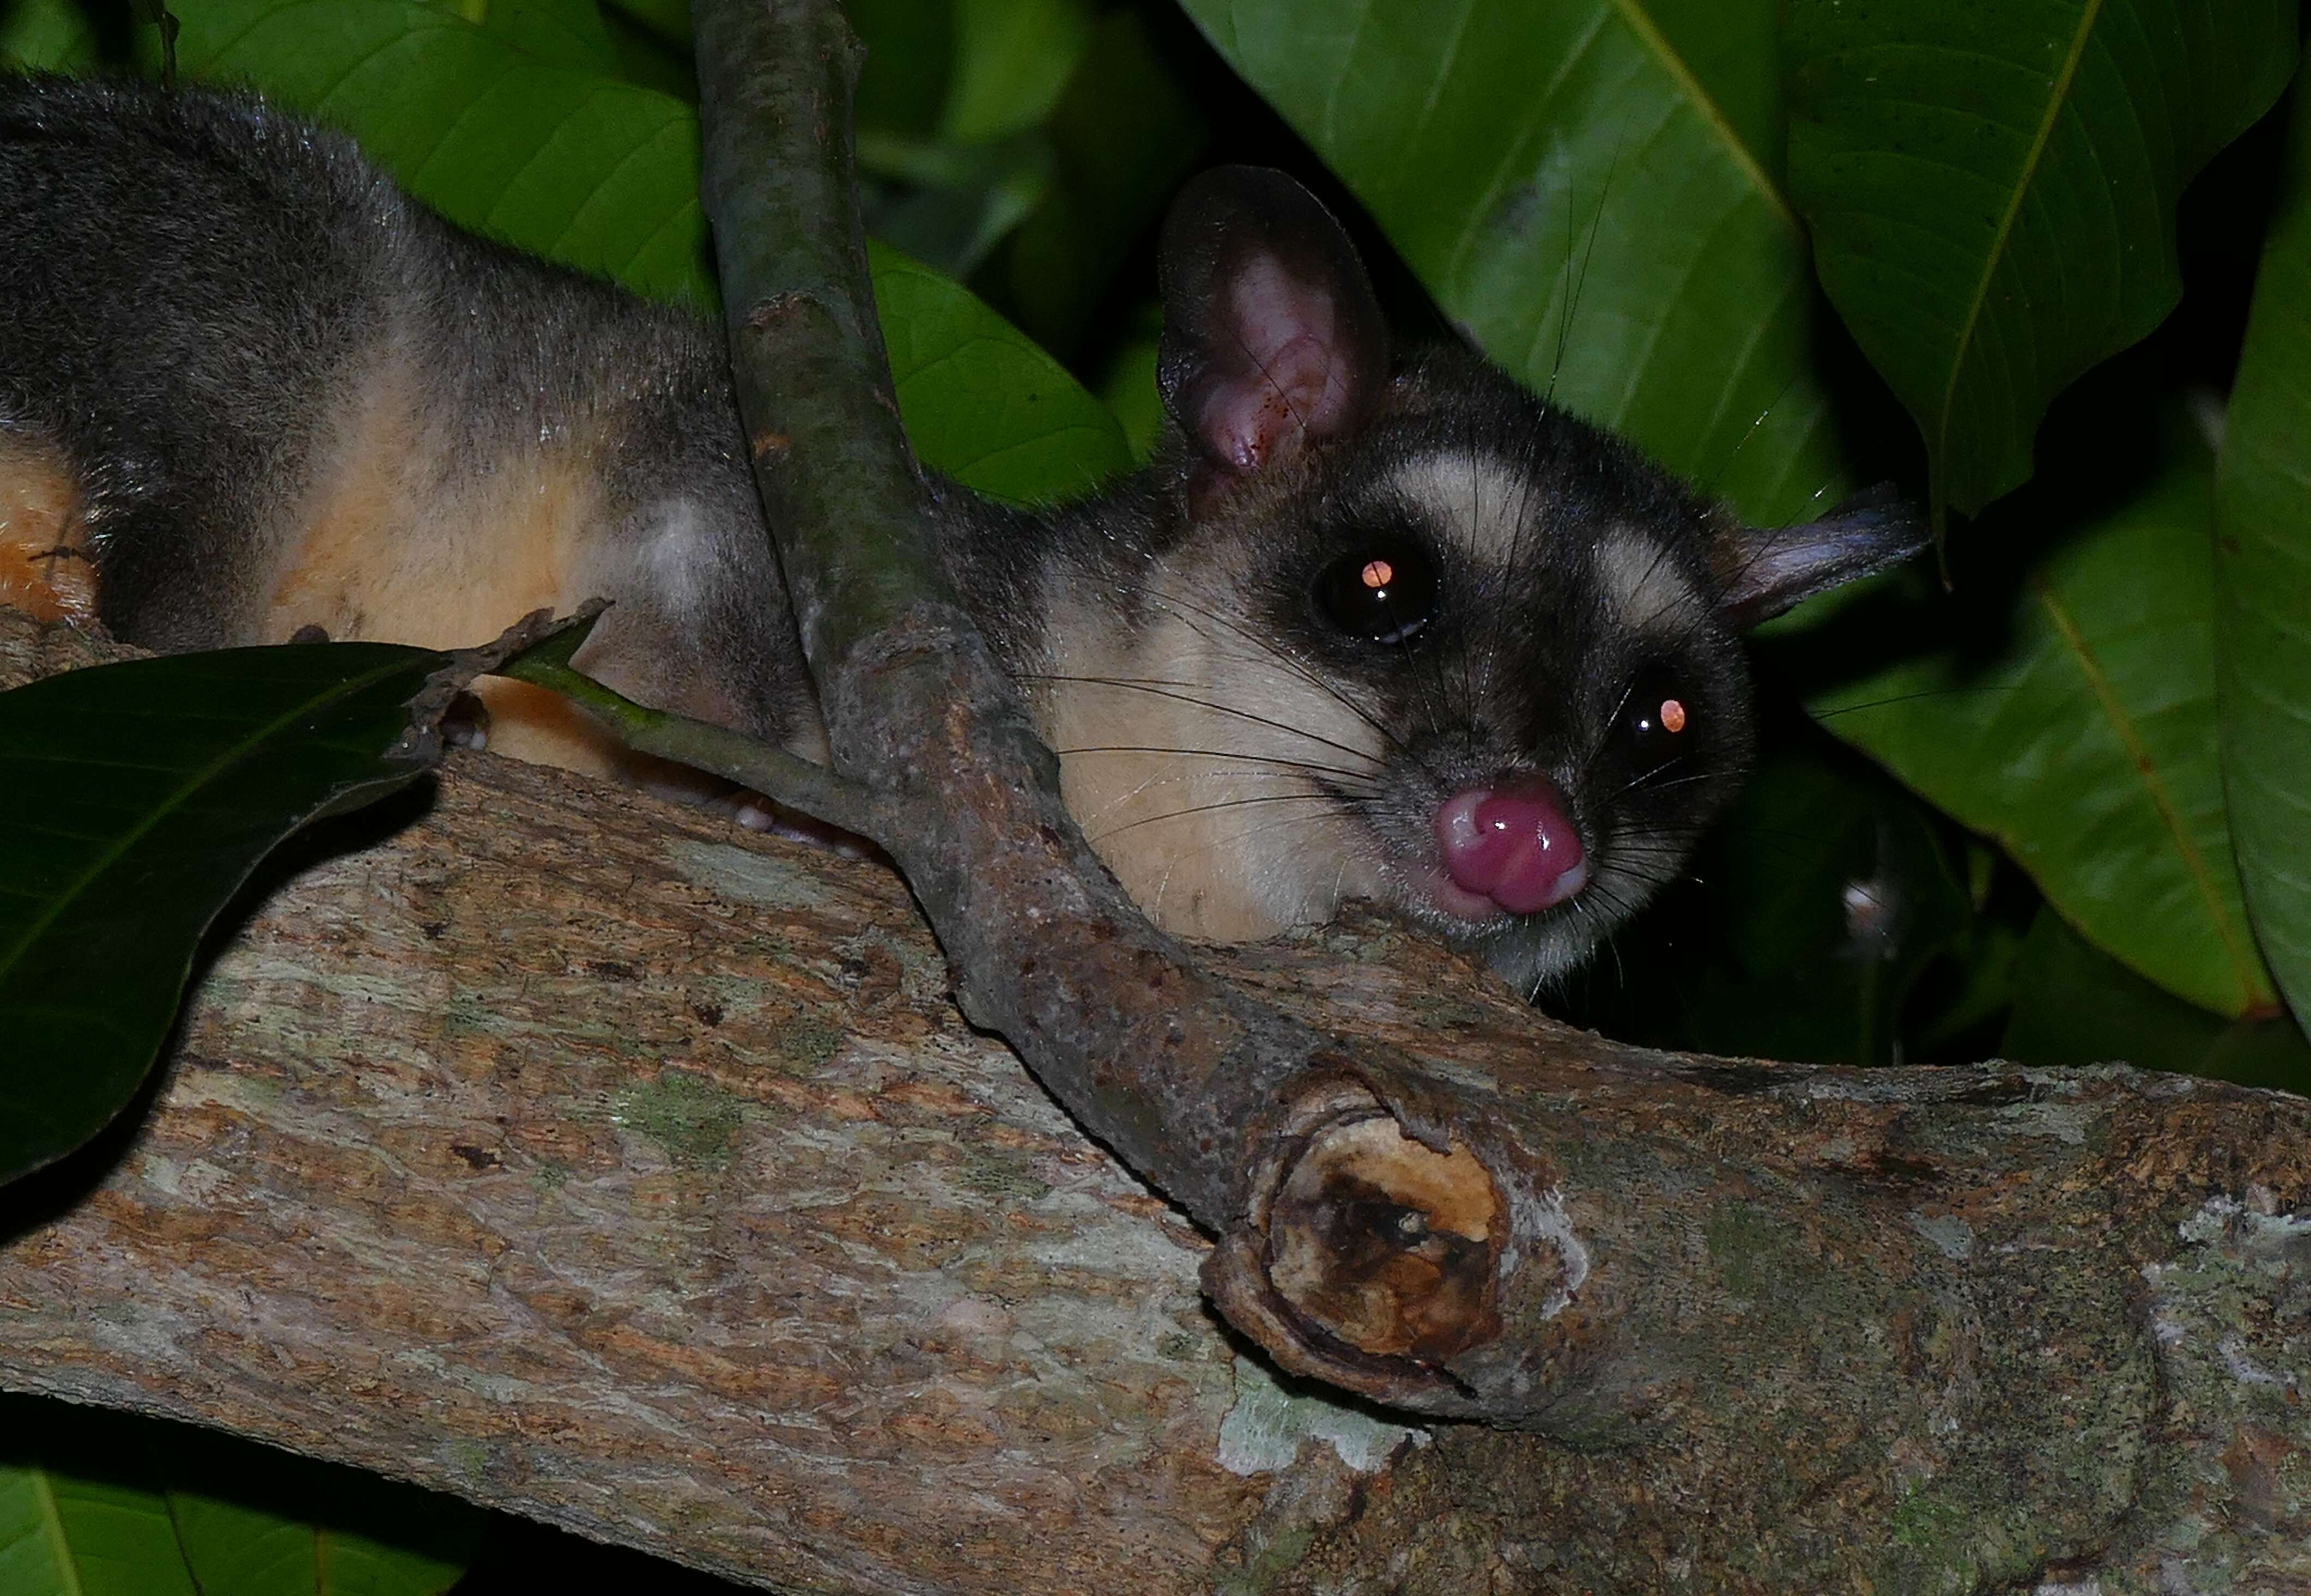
(759, 814)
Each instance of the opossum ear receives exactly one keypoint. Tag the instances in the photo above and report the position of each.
(1763, 571)
(1272, 340)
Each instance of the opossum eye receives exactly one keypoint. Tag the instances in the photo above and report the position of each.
(1383, 591)
(1657, 724)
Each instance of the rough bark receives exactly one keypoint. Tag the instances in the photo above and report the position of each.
(595, 1160)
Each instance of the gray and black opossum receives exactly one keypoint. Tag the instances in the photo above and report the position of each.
(1372, 624)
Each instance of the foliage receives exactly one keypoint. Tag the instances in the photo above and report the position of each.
(96, 1504)
(1990, 186)
(2263, 571)
(106, 887)
(2066, 819)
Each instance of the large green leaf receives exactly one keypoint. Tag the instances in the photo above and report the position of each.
(236, 1549)
(135, 799)
(1588, 187)
(573, 33)
(259, 1523)
(95, 1504)
(1991, 186)
(2073, 720)
(2262, 585)
(508, 140)
(966, 377)
(587, 168)
(67, 1534)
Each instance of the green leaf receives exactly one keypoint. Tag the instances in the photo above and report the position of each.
(47, 36)
(1011, 59)
(94, 1504)
(1130, 389)
(2067, 709)
(1588, 187)
(77, 1518)
(135, 799)
(1991, 186)
(571, 33)
(283, 1530)
(63, 1536)
(2263, 586)
(983, 403)
(603, 175)
(238, 1551)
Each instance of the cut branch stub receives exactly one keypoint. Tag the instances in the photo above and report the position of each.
(1373, 1260)
(1389, 1245)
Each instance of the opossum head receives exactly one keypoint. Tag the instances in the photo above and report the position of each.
(1396, 629)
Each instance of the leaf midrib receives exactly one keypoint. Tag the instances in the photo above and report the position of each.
(52, 1522)
(1961, 349)
(1705, 106)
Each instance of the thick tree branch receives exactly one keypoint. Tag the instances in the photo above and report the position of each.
(586, 1157)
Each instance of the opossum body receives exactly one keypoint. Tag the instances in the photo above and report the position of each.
(1370, 626)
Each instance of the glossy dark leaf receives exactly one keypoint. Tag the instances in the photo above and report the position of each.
(135, 799)
(1991, 184)
(2263, 586)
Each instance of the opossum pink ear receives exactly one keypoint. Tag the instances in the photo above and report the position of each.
(1763, 571)
(1272, 341)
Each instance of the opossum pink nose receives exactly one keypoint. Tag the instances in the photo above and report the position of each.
(1513, 844)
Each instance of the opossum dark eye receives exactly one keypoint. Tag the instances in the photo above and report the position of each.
(1656, 724)
(1383, 592)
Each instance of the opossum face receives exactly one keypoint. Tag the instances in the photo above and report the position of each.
(1415, 636)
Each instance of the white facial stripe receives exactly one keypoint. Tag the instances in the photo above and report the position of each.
(1481, 503)
(1188, 784)
(1645, 586)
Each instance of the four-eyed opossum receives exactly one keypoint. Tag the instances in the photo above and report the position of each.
(1370, 625)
